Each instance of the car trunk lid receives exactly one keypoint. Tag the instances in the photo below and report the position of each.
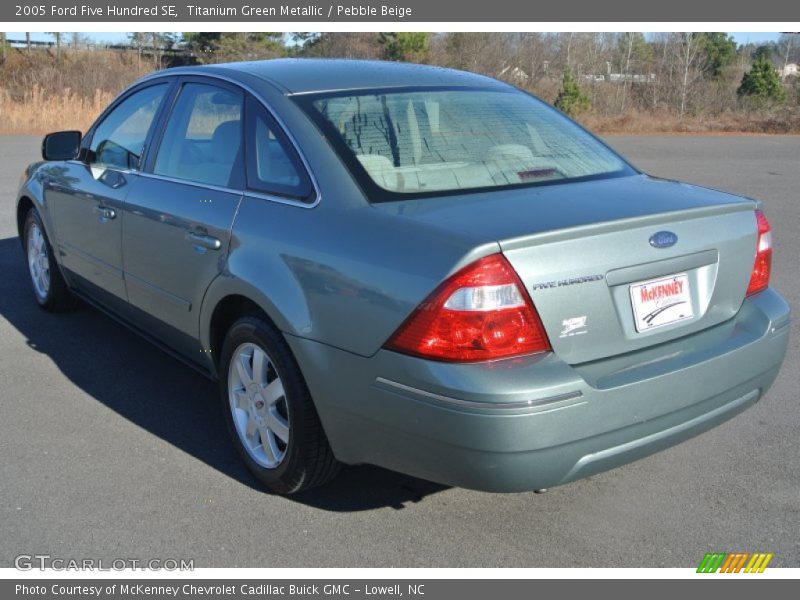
(585, 255)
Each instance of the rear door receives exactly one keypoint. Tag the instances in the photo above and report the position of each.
(177, 224)
(87, 196)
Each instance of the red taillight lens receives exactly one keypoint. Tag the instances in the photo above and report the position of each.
(480, 313)
(759, 279)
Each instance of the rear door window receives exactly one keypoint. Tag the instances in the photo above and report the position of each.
(202, 141)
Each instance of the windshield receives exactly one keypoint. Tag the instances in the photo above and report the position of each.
(424, 142)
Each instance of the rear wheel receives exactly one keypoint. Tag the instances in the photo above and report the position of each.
(269, 411)
(49, 287)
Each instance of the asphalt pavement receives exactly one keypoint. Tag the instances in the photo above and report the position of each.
(111, 449)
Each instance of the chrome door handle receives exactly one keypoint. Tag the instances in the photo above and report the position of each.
(206, 241)
(105, 213)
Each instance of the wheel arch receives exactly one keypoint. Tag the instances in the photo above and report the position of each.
(24, 204)
(228, 299)
(31, 195)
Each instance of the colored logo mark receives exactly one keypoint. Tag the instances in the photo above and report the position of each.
(734, 562)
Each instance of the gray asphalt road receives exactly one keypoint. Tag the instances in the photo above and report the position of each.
(111, 449)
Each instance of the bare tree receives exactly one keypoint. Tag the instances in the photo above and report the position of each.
(155, 42)
(57, 37)
(77, 39)
(137, 39)
(28, 43)
(788, 47)
(688, 49)
(344, 45)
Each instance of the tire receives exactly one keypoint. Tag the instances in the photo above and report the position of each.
(49, 287)
(269, 411)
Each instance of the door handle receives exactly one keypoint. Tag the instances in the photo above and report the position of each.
(105, 212)
(206, 241)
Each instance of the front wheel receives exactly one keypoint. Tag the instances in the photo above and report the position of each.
(49, 287)
(269, 411)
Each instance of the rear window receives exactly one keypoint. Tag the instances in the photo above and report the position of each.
(402, 144)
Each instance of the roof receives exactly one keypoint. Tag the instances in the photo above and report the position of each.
(304, 75)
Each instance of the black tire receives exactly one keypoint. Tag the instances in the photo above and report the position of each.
(308, 460)
(58, 297)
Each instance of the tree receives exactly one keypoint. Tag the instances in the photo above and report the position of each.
(688, 47)
(249, 46)
(201, 41)
(138, 40)
(720, 50)
(571, 99)
(763, 52)
(3, 47)
(215, 47)
(77, 39)
(472, 51)
(632, 49)
(405, 46)
(788, 47)
(343, 44)
(57, 37)
(303, 41)
(762, 84)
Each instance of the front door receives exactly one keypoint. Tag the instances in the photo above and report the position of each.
(87, 196)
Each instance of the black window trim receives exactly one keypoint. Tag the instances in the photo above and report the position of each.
(376, 194)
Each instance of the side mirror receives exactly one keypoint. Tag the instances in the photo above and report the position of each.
(61, 145)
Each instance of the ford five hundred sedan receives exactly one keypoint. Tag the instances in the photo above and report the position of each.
(411, 267)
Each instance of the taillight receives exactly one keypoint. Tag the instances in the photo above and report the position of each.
(480, 313)
(759, 278)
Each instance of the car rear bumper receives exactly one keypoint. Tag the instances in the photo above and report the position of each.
(535, 422)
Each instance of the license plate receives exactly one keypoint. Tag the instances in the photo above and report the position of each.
(660, 302)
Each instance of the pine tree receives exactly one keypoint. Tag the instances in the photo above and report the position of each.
(571, 99)
(762, 83)
(406, 46)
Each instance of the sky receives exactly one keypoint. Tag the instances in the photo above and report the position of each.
(119, 37)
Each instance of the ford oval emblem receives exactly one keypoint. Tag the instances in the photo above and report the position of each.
(663, 239)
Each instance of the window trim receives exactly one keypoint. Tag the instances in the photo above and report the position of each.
(83, 152)
(377, 194)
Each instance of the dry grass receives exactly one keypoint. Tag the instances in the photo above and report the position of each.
(785, 121)
(41, 112)
(41, 92)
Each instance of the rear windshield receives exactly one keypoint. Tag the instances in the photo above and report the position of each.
(402, 144)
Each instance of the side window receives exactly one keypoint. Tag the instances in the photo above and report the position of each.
(203, 138)
(119, 139)
(272, 164)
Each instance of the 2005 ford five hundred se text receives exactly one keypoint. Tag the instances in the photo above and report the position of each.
(412, 267)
